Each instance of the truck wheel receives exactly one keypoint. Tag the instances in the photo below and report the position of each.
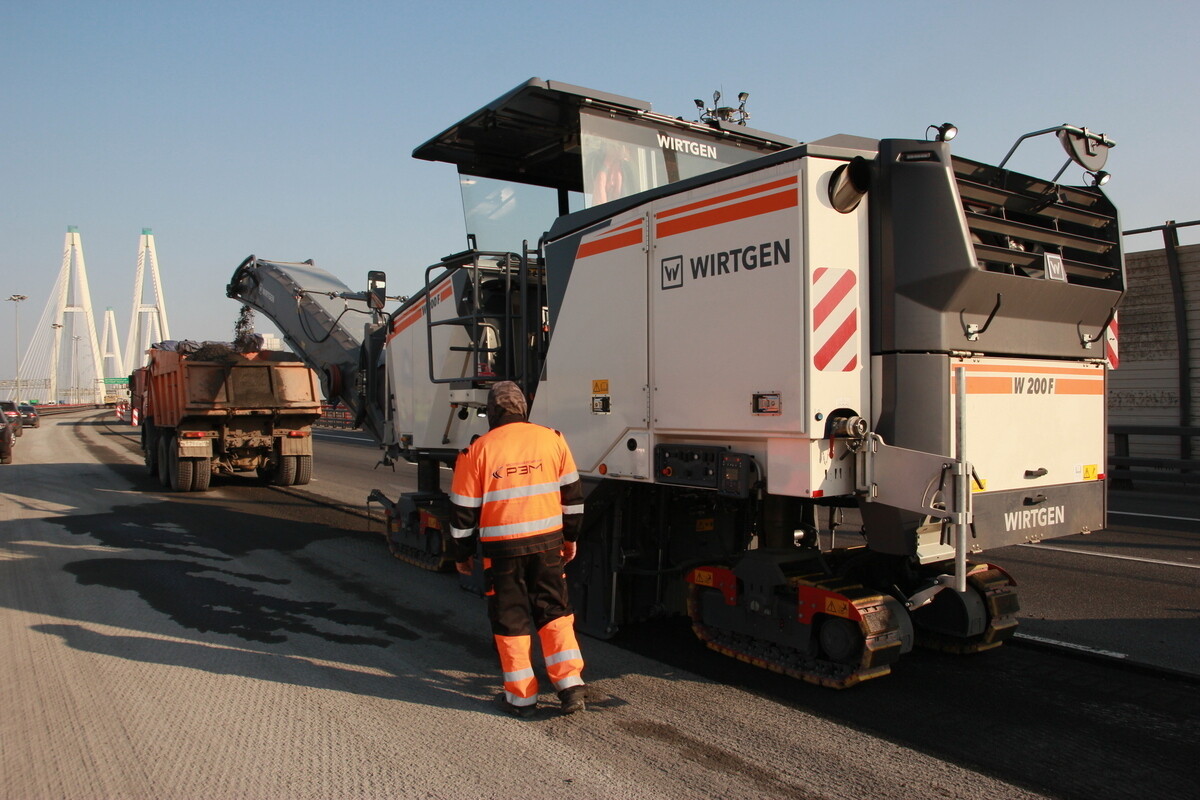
(285, 471)
(180, 470)
(201, 474)
(165, 443)
(150, 450)
(303, 470)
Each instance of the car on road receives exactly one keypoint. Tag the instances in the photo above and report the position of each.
(29, 416)
(12, 414)
(8, 440)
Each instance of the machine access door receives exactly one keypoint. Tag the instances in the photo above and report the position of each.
(595, 384)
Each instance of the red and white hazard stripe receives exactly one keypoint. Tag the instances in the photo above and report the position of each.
(834, 320)
(1111, 353)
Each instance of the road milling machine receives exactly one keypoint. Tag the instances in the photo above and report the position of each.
(806, 384)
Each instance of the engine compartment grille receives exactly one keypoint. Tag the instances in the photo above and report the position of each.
(1016, 221)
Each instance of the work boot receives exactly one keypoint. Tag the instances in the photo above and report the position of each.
(573, 699)
(523, 712)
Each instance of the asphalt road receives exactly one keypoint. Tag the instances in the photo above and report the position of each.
(250, 642)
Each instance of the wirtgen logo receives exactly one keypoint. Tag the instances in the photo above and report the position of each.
(726, 262)
(672, 272)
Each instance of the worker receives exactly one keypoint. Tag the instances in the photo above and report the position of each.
(517, 494)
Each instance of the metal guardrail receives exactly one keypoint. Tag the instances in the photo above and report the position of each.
(1124, 470)
(63, 408)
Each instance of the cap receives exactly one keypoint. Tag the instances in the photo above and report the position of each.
(506, 397)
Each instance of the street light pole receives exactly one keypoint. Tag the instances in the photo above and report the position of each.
(54, 362)
(75, 371)
(16, 300)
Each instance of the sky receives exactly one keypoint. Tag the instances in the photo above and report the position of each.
(286, 129)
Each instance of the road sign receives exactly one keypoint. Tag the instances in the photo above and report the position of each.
(116, 381)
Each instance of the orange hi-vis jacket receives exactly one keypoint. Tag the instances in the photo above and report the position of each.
(517, 484)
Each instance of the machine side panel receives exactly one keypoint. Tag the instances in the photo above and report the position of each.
(727, 277)
(837, 325)
(1034, 435)
(594, 385)
(835, 337)
(1034, 423)
(424, 417)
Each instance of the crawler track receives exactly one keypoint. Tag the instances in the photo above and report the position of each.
(1000, 597)
(429, 551)
(880, 628)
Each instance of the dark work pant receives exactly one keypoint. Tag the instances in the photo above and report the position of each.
(526, 593)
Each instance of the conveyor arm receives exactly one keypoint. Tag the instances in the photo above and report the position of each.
(316, 313)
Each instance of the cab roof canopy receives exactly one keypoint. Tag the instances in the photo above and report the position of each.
(532, 134)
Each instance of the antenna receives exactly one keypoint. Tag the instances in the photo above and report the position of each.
(720, 113)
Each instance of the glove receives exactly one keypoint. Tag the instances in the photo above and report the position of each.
(568, 552)
(465, 567)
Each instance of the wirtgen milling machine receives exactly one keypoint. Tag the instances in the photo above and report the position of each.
(805, 384)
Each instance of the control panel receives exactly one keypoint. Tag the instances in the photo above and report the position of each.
(705, 467)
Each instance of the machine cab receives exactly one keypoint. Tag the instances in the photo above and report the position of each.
(543, 150)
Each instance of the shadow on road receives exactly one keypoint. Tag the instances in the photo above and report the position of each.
(443, 689)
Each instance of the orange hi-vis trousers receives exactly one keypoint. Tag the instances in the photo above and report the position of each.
(528, 593)
(560, 649)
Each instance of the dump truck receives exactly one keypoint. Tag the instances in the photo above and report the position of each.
(807, 385)
(206, 409)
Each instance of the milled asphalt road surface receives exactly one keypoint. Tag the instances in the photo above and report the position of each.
(160, 646)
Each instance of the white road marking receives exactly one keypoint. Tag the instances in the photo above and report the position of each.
(333, 433)
(1083, 647)
(1109, 555)
(1152, 516)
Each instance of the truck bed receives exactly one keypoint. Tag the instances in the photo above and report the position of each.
(254, 383)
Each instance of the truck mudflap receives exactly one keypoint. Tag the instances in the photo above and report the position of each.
(1017, 516)
(200, 447)
(301, 445)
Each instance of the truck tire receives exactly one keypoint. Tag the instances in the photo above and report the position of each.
(164, 443)
(285, 471)
(150, 450)
(303, 470)
(201, 474)
(179, 470)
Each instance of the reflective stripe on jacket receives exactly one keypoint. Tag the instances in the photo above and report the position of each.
(518, 485)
